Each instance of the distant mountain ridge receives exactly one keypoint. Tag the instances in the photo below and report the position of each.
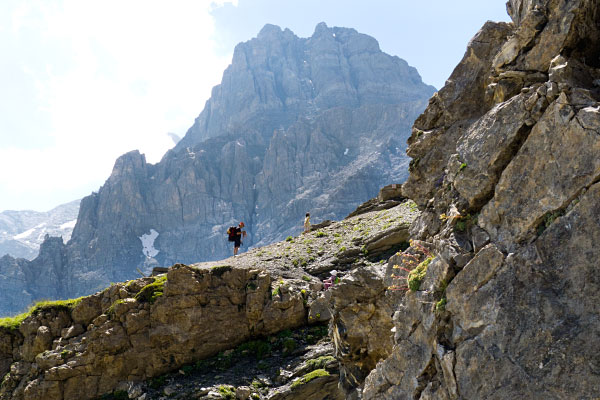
(22, 232)
(313, 124)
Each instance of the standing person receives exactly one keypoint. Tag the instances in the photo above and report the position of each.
(235, 236)
(307, 223)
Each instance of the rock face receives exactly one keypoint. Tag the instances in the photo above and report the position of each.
(506, 171)
(313, 124)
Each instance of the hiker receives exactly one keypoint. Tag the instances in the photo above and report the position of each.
(333, 279)
(235, 235)
(307, 223)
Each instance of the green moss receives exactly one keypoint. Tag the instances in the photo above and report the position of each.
(286, 333)
(256, 384)
(158, 382)
(440, 306)
(309, 377)
(65, 354)
(152, 291)
(111, 310)
(320, 234)
(319, 363)
(416, 276)
(219, 270)
(305, 278)
(258, 348)
(14, 322)
(289, 239)
(227, 392)
(289, 345)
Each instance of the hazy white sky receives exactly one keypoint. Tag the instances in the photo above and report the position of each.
(84, 81)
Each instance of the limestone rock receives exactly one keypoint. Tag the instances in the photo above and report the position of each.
(506, 173)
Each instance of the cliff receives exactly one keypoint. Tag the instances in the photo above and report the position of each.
(505, 169)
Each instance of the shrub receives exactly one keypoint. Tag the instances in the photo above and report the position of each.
(289, 239)
(416, 276)
(320, 234)
(412, 270)
(440, 306)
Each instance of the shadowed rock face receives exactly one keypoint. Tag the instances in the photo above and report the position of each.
(313, 124)
(506, 171)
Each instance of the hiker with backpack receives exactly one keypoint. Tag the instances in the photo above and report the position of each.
(235, 235)
(307, 223)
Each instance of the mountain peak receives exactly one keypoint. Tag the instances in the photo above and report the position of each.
(269, 30)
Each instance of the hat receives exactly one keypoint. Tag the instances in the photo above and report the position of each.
(242, 224)
(333, 272)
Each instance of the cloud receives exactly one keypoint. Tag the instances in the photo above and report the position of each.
(110, 77)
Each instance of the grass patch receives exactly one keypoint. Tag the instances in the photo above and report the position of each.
(13, 323)
(320, 234)
(289, 239)
(319, 363)
(152, 291)
(309, 377)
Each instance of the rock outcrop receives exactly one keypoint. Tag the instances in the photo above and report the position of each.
(119, 338)
(506, 172)
(313, 124)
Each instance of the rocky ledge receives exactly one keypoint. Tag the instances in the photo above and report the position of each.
(142, 329)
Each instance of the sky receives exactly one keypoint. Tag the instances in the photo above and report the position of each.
(84, 81)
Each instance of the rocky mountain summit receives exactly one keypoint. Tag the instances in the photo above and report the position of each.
(297, 125)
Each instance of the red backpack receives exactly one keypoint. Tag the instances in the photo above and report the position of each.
(232, 232)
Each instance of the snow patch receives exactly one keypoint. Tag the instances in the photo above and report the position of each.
(346, 152)
(190, 153)
(25, 234)
(148, 243)
(69, 224)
